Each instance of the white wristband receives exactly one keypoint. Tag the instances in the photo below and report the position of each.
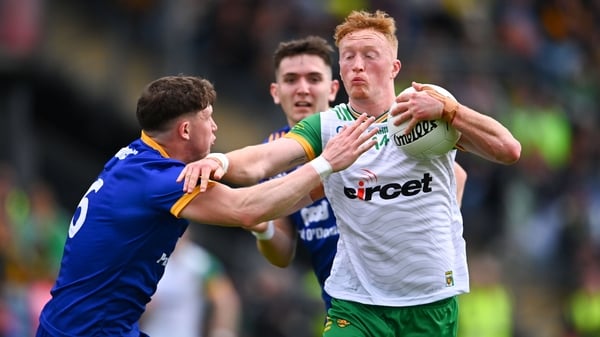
(322, 166)
(222, 158)
(266, 235)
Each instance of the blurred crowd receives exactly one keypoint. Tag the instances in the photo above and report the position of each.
(532, 229)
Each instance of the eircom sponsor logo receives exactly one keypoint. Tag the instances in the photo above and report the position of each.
(420, 130)
(389, 191)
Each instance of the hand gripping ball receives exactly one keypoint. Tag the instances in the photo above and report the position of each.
(428, 139)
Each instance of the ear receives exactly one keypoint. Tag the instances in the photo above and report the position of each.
(183, 129)
(333, 90)
(273, 89)
(396, 66)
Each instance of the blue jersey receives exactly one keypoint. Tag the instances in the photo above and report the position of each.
(317, 230)
(120, 237)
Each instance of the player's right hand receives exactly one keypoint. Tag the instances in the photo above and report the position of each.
(205, 169)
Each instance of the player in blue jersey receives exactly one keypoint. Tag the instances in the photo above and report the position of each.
(303, 86)
(129, 220)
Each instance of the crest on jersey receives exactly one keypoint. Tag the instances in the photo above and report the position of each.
(449, 279)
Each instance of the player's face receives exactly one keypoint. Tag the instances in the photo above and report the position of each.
(304, 86)
(202, 134)
(367, 62)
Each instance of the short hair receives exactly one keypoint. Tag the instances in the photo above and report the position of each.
(170, 97)
(311, 45)
(379, 21)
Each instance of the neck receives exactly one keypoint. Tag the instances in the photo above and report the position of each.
(370, 107)
(160, 141)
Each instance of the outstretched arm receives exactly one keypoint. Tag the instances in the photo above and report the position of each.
(245, 166)
(249, 165)
(249, 206)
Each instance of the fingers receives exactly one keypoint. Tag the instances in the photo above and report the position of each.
(357, 124)
(190, 178)
(182, 175)
(410, 125)
(203, 170)
(361, 123)
(364, 140)
(401, 117)
(345, 147)
(415, 106)
(371, 133)
(368, 141)
(417, 86)
(204, 178)
(400, 105)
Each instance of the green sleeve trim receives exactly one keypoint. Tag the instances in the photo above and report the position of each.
(308, 133)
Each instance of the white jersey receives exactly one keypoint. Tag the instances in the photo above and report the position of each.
(400, 224)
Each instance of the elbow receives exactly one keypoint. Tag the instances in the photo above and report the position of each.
(247, 218)
(512, 152)
(282, 259)
(248, 222)
(282, 263)
(506, 151)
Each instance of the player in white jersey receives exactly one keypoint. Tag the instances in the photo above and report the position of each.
(401, 257)
(195, 297)
(370, 199)
(304, 86)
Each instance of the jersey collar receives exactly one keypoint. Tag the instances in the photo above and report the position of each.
(150, 142)
(379, 119)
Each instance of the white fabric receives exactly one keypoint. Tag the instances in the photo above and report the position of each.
(177, 307)
(404, 246)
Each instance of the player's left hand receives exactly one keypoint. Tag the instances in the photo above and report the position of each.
(416, 106)
(348, 144)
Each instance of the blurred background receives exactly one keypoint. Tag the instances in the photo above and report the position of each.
(71, 72)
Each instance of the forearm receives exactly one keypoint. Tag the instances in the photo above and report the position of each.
(278, 194)
(485, 136)
(253, 163)
(249, 165)
(280, 247)
(246, 166)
